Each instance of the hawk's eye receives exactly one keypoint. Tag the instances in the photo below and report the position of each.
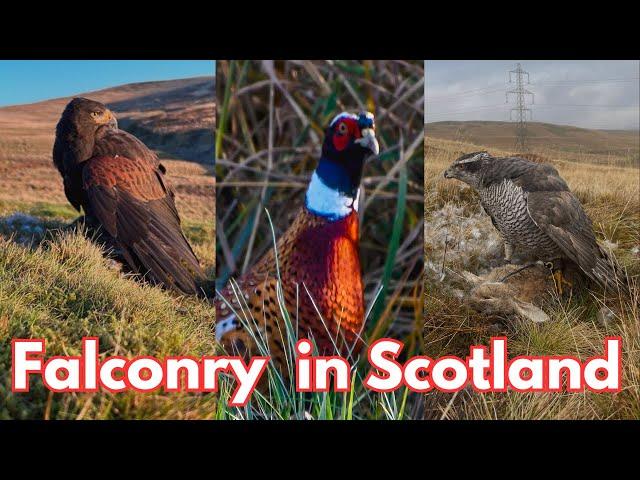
(342, 128)
(96, 114)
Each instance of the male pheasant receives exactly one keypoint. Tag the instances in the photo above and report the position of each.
(317, 259)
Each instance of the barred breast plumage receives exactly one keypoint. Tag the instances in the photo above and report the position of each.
(506, 203)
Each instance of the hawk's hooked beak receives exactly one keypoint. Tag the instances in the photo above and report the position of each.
(112, 121)
(447, 174)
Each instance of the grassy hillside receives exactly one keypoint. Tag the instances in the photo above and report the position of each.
(621, 147)
(174, 117)
(459, 236)
(65, 289)
(59, 285)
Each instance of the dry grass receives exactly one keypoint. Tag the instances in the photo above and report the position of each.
(34, 187)
(30, 179)
(605, 147)
(611, 196)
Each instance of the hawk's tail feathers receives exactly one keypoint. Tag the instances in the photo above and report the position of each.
(609, 274)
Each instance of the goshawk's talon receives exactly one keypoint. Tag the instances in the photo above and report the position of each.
(559, 280)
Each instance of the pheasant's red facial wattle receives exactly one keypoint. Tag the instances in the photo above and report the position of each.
(344, 131)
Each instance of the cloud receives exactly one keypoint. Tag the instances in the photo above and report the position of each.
(588, 94)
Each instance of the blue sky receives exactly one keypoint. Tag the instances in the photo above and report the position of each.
(27, 81)
(603, 94)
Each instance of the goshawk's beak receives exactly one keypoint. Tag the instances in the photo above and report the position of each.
(447, 174)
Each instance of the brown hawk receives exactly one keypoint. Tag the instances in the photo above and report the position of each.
(121, 186)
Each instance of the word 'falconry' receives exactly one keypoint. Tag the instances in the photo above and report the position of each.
(122, 188)
(534, 210)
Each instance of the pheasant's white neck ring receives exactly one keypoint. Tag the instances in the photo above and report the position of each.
(328, 202)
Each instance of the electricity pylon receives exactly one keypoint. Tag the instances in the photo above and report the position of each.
(521, 108)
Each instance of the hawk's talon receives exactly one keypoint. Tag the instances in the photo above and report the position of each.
(559, 280)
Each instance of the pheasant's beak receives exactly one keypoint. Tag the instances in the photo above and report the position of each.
(369, 140)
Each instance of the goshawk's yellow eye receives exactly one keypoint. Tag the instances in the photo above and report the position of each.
(96, 114)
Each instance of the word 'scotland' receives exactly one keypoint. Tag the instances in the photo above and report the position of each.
(486, 369)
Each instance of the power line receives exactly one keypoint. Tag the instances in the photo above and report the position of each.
(586, 82)
(521, 108)
(500, 106)
(585, 105)
(496, 88)
(467, 110)
(479, 91)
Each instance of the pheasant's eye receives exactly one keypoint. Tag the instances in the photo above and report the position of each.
(342, 128)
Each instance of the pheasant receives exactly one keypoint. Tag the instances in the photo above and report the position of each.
(317, 259)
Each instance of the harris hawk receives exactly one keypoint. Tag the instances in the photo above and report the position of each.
(121, 186)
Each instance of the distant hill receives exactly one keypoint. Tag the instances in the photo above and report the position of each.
(501, 135)
(174, 117)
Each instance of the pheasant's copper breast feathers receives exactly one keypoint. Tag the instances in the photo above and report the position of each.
(321, 282)
(325, 259)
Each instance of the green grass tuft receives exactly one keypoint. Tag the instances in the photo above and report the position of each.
(64, 290)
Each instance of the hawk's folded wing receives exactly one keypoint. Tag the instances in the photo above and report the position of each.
(134, 205)
(560, 215)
